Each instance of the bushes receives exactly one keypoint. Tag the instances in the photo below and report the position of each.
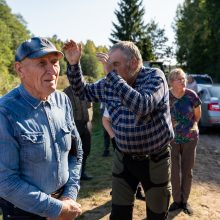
(7, 82)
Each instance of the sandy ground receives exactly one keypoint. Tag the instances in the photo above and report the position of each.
(204, 197)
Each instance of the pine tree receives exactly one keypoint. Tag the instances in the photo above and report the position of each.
(131, 26)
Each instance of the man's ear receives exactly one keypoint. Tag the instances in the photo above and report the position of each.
(19, 69)
(134, 63)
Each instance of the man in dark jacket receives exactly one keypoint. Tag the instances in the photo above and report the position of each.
(82, 112)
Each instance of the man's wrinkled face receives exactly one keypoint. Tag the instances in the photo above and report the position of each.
(123, 67)
(40, 75)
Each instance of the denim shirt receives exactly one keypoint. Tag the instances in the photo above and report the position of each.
(35, 140)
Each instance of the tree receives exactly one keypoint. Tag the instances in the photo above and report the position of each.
(131, 29)
(212, 8)
(197, 28)
(149, 38)
(59, 45)
(189, 28)
(90, 65)
(158, 41)
(13, 32)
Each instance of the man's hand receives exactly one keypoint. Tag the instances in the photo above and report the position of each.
(72, 51)
(70, 210)
(104, 58)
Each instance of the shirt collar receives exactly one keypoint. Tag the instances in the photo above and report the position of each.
(34, 102)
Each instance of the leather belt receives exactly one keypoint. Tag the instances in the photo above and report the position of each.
(140, 157)
(57, 193)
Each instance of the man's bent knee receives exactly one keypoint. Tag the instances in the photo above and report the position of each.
(158, 199)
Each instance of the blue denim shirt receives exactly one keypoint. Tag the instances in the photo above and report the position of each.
(35, 139)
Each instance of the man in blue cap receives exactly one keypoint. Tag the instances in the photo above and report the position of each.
(39, 171)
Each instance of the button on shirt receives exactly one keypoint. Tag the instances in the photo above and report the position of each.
(35, 139)
(140, 114)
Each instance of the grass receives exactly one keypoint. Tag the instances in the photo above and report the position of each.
(97, 166)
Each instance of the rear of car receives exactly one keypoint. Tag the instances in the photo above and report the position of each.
(210, 96)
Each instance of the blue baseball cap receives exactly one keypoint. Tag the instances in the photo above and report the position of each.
(34, 48)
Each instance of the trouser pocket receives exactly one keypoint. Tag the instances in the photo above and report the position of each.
(160, 167)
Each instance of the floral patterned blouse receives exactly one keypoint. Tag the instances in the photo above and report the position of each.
(182, 114)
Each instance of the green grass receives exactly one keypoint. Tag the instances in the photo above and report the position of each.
(97, 166)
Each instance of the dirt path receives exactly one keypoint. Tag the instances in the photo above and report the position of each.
(204, 198)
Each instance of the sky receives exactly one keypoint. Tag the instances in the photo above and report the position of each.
(84, 20)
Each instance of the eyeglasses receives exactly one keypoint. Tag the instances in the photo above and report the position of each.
(180, 80)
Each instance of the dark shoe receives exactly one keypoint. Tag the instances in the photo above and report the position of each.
(85, 177)
(105, 153)
(175, 206)
(139, 194)
(187, 208)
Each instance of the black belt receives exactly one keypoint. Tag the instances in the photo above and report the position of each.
(57, 193)
(155, 156)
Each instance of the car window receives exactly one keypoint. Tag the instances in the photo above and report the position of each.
(203, 80)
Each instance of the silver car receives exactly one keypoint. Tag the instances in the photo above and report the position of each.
(210, 96)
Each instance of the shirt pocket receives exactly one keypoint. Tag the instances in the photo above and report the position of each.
(33, 146)
(66, 133)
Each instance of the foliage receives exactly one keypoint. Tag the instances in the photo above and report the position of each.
(13, 31)
(149, 38)
(59, 45)
(159, 41)
(131, 29)
(7, 82)
(90, 65)
(197, 27)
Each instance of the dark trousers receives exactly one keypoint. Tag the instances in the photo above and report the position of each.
(106, 140)
(10, 212)
(85, 136)
(153, 172)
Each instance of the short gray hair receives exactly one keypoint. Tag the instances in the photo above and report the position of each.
(129, 49)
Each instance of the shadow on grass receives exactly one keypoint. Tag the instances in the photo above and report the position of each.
(97, 213)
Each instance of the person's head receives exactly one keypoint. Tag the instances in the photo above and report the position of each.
(37, 64)
(190, 79)
(177, 79)
(126, 59)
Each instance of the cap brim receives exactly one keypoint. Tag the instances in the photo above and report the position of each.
(44, 52)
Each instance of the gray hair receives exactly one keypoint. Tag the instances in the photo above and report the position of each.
(130, 50)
